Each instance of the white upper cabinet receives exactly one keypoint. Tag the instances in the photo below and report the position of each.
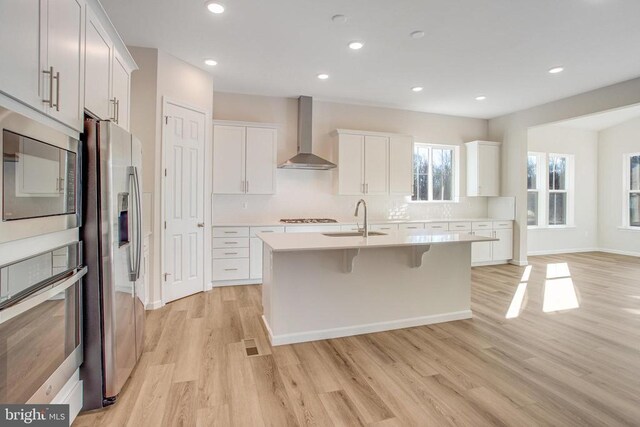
(65, 58)
(483, 168)
(351, 164)
(374, 163)
(401, 165)
(21, 64)
(260, 160)
(98, 54)
(244, 159)
(120, 92)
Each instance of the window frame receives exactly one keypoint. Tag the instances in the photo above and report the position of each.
(455, 175)
(627, 191)
(542, 181)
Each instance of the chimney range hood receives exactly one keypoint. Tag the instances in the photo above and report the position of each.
(305, 159)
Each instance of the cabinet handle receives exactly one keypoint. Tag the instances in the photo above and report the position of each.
(201, 225)
(230, 243)
(231, 253)
(367, 187)
(230, 269)
(230, 232)
(57, 90)
(117, 112)
(113, 101)
(247, 186)
(50, 100)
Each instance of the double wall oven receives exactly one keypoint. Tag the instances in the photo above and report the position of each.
(41, 307)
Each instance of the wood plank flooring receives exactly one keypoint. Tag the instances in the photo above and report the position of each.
(573, 367)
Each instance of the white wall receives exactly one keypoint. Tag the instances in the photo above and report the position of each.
(614, 143)
(512, 130)
(162, 76)
(583, 234)
(302, 193)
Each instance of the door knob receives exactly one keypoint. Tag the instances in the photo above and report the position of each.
(201, 225)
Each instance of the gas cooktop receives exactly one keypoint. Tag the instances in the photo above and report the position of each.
(308, 220)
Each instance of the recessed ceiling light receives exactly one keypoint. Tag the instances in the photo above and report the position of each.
(417, 34)
(323, 76)
(214, 7)
(481, 98)
(356, 45)
(556, 70)
(339, 19)
(417, 88)
(210, 62)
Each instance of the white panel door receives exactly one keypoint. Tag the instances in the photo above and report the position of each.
(255, 258)
(503, 249)
(260, 158)
(401, 165)
(64, 41)
(20, 66)
(351, 164)
(228, 159)
(121, 85)
(376, 165)
(97, 82)
(184, 137)
(481, 251)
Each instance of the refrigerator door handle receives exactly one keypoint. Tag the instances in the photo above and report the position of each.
(138, 221)
(134, 265)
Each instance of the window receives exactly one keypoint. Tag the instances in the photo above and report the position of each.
(549, 189)
(632, 190)
(434, 172)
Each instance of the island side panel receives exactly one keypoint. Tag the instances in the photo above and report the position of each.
(267, 278)
(311, 297)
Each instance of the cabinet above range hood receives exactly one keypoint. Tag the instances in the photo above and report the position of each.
(305, 159)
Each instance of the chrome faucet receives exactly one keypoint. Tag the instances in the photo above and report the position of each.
(365, 230)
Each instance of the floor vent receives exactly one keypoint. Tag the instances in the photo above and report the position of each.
(250, 347)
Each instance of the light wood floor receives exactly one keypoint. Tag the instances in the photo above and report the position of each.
(576, 367)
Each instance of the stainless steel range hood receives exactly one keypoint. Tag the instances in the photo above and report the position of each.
(305, 159)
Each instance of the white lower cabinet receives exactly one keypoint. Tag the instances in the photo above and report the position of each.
(383, 228)
(482, 251)
(411, 226)
(503, 248)
(492, 252)
(231, 269)
(255, 258)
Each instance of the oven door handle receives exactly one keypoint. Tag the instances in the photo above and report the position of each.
(40, 297)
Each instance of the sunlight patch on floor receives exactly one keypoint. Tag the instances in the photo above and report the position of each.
(559, 294)
(516, 302)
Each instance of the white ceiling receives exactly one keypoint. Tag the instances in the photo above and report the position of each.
(498, 48)
(600, 121)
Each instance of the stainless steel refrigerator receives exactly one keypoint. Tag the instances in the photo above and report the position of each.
(112, 235)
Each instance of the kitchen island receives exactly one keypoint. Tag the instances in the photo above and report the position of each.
(329, 285)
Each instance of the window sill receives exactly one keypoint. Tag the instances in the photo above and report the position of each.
(551, 227)
(629, 228)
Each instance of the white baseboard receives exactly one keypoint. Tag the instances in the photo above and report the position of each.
(486, 263)
(237, 283)
(363, 329)
(618, 252)
(518, 262)
(563, 251)
(153, 305)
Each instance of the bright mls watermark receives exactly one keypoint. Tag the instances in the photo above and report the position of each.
(34, 415)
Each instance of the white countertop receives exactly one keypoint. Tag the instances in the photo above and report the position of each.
(277, 223)
(288, 242)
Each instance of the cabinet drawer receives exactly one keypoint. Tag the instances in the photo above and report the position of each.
(230, 242)
(351, 227)
(230, 253)
(384, 227)
(230, 269)
(499, 225)
(411, 226)
(481, 225)
(459, 226)
(255, 230)
(437, 226)
(230, 231)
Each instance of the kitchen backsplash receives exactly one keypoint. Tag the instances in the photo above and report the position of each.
(312, 194)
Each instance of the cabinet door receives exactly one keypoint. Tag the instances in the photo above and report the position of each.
(350, 164)
(260, 160)
(121, 85)
(401, 165)
(503, 249)
(64, 42)
(97, 80)
(376, 165)
(488, 170)
(228, 159)
(255, 258)
(481, 251)
(20, 66)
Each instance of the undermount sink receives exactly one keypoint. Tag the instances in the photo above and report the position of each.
(353, 234)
